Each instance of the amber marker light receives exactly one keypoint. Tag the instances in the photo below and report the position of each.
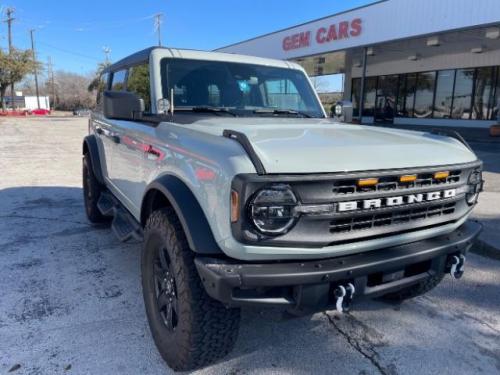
(235, 206)
(364, 182)
(441, 175)
(408, 178)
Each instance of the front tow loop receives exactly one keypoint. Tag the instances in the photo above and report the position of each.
(457, 264)
(344, 296)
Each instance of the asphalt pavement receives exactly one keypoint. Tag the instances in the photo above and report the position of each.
(71, 302)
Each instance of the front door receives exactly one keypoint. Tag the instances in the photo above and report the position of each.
(385, 100)
(384, 109)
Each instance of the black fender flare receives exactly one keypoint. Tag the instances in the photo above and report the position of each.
(188, 210)
(90, 146)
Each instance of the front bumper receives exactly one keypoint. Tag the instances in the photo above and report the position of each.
(308, 285)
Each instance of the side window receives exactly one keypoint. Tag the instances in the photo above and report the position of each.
(138, 83)
(102, 86)
(119, 80)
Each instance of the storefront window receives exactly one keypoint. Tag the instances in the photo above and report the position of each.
(463, 94)
(495, 114)
(400, 105)
(370, 93)
(424, 94)
(483, 93)
(444, 93)
(462, 97)
(411, 83)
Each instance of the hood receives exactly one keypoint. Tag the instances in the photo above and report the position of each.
(287, 145)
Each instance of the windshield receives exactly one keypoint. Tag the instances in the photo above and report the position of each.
(239, 89)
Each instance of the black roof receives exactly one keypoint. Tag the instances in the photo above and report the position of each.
(134, 59)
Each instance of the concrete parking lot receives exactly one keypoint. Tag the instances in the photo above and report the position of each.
(71, 302)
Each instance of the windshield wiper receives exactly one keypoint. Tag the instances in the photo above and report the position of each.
(281, 112)
(216, 110)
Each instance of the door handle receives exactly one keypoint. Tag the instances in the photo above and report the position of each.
(152, 153)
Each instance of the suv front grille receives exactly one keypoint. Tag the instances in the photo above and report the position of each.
(391, 218)
(392, 183)
(355, 213)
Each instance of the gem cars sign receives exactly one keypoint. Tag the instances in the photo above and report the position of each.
(323, 35)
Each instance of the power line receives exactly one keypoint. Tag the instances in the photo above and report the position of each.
(87, 26)
(69, 52)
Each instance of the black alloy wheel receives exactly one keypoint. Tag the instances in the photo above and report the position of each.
(166, 290)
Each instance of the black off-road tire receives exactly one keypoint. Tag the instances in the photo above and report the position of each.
(415, 290)
(91, 192)
(206, 331)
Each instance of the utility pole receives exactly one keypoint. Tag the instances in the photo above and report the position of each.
(106, 51)
(34, 69)
(52, 81)
(9, 11)
(158, 26)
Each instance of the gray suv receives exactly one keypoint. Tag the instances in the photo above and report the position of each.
(243, 193)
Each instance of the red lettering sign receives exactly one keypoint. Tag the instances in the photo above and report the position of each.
(342, 30)
(356, 27)
(295, 41)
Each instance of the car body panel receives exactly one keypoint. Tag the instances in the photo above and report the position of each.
(290, 145)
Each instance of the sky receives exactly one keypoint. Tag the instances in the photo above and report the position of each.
(74, 32)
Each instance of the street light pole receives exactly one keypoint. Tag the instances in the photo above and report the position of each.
(106, 51)
(158, 26)
(34, 67)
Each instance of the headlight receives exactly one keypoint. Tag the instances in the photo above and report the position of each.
(475, 182)
(272, 209)
(338, 110)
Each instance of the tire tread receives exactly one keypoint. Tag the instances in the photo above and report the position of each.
(212, 329)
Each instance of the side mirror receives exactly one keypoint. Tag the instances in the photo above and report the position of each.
(342, 111)
(122, 105)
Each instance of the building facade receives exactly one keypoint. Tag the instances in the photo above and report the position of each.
(416, 62)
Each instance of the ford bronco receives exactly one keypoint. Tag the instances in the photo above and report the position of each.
(243, 192)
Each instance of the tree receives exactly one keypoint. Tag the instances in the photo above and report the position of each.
(14, 67)
(96, 82)
(71, 91)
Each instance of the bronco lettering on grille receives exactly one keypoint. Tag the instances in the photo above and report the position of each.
(395, 201)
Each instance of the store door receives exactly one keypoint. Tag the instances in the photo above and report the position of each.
(385, 101)
(384, 109)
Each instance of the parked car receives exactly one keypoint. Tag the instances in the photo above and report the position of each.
(244, 193)
(82, 112)
(39, 112)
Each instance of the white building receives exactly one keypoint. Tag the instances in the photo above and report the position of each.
(30, 102)
(419, 62)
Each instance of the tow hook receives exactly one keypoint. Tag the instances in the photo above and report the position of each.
(344, 296)
(457, 264)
